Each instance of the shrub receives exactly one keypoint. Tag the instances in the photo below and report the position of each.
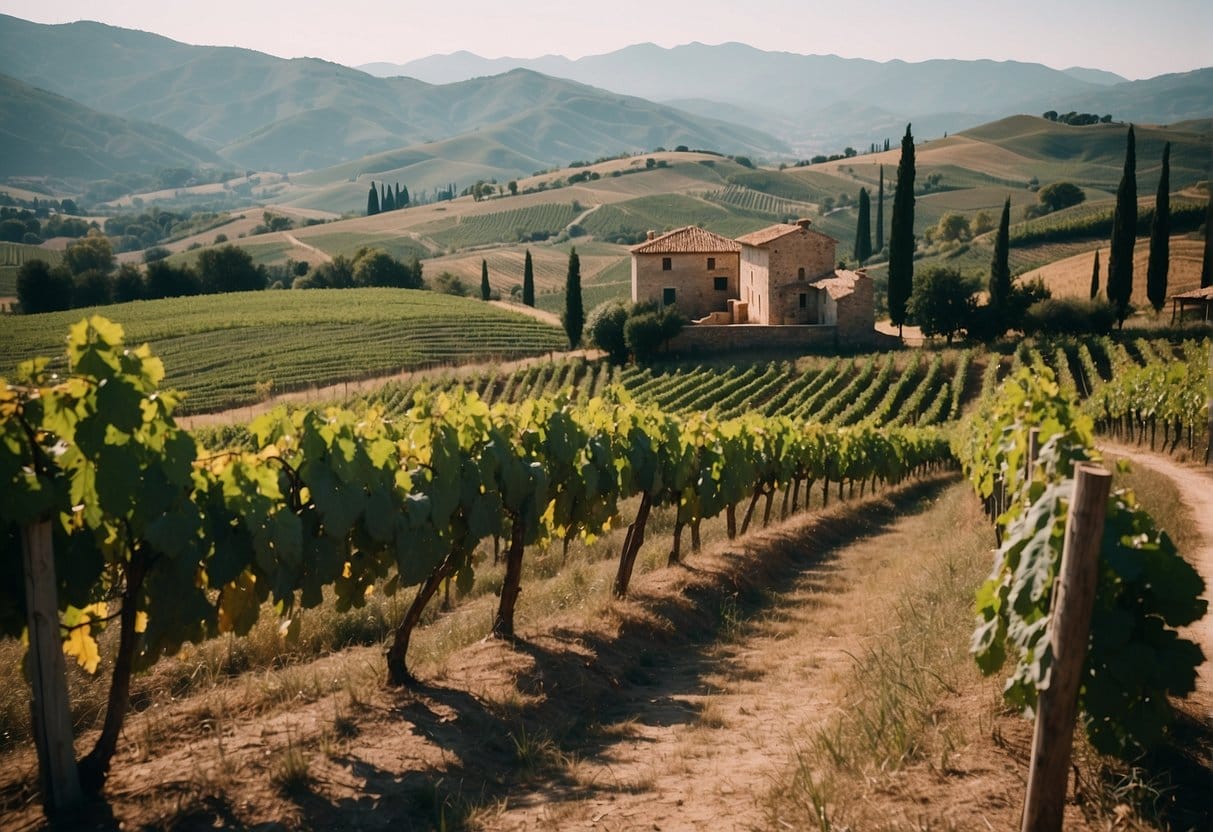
(605, 329)
(648, 327)
(1069, 316)
(449, 284)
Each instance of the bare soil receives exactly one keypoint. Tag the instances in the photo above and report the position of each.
(684, 707)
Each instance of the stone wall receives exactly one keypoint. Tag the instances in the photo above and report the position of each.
(704, 338)
(755, 287)
(856, 312)
(695, 294)
(800, 257)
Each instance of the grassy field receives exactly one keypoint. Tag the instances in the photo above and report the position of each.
(1071, 276)
(227, 350)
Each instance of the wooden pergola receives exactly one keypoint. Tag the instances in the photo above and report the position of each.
(1202, 299)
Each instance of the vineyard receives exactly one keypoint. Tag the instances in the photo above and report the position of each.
(178, 540)
(627, 222)
(228, 350)
(1146, 589)
(537, 222)
(759, 203)
(872, 390)
(192, 544)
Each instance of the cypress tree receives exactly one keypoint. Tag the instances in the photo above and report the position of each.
(863, 230)
(1000, 271)
(574, 312)
(389, 201)
(485, 289)
(880, 212)
(382, 197)
(1160, 236)
(901, 235)
(1206, 263)
(399, 204)
(528, 280)
(1095, 277)
(404, 197)
(1124, 230)
(372, 202)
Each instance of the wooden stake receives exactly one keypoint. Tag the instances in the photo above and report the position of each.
(52, 719)
(1069, 629)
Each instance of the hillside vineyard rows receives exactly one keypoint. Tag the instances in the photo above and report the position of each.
(329, 506)
(919, 389)
(196, 543)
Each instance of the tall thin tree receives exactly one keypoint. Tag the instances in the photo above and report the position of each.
(901, 235)
(1124, 230)
(372, 201)
(1095, 277)
(389, 201)
(880, 212)
(1000, 271)
(1160, 237)
(485, 290)
(528, 280)
(574, 312)
(863, 230)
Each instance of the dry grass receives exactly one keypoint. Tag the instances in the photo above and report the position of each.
(1071, 276)
(925, 742)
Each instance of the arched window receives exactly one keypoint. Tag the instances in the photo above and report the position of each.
(800, 273)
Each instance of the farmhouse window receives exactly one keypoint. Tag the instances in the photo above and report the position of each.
(666, 264)
(667, 295)
(804, 300)
(800, 275)
(711, 264)
(720, 284)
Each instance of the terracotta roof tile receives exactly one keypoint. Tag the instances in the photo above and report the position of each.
(774, 232)
(688, 240)
(768, 234)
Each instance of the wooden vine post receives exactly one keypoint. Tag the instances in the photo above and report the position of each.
(1069, 629)
(51, 716)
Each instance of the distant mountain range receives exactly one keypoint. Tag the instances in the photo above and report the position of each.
(42, 133)
(266, 112)
(820, 103)
(462, 117)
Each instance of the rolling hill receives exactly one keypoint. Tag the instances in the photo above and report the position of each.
(43, 133)
(823, 102)
(289, 115)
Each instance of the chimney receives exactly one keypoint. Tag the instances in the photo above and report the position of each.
(804, 222)
(652, 235)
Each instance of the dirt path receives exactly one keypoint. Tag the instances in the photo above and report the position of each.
(702, 747)
(295, 241)
(1196, 489)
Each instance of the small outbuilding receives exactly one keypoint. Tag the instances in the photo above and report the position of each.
(1200, 299)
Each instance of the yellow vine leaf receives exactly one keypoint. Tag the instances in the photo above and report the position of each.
(81, 646)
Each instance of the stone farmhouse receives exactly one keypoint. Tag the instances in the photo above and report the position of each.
(777, 287)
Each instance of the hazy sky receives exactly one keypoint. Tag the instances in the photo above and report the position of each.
(1134, 38)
